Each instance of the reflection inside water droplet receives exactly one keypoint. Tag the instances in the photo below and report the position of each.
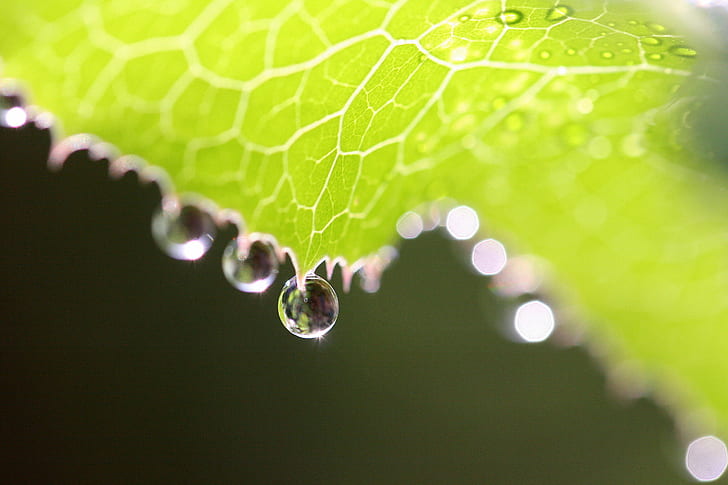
(183, 230)
(410, 225)
(250, 266)
(706, 458)
(509, 17)
(311, 312)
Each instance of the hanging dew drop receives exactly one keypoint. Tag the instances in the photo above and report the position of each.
(183, 230)
(250, 265)
(311, 312)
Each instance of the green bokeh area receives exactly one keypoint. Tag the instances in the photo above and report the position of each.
(121, 365)
(568, 130)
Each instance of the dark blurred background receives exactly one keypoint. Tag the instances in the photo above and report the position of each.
(121, 365)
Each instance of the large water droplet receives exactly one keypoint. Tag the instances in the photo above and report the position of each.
(683, 51)
(183, 230)
(559, 12)
(250, 265)
(311, 312)
(509, 17)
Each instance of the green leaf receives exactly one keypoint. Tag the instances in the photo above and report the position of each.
(566, 127)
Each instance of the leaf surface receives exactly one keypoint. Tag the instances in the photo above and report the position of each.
(566, 127)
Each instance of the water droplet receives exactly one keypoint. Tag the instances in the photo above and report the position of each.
(608, 54)
(626, 50)
(655, 57)
(509, 17)
(656, 28)
(570, 52)
(611, 24)
(310, 313)
(651, 41)
(544, 54)
(183, 230)
(683, 51)
(464, 18)
(250, 265)
(559, 12)
(633, 22)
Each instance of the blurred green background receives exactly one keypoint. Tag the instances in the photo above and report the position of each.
(120, 365)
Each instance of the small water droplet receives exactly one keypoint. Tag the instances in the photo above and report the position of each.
(510, 17)
(464, 18)
(611, 24)
(626, 50)
(683, 51)
(651, 41)
(544, 54)
(608, 54)
(570, 52)
(633, 22)
(559, 12)
(311, 312)
(183, 230)
(250, 265)
(656, 28)
(655, 57)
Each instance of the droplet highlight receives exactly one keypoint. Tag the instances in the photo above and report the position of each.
(250, 265)
(706, 458)
(311, 312)
(462, 222)
(183, 230)
(510, 17)
(12, 112)
(489, 257)
(534, 321)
